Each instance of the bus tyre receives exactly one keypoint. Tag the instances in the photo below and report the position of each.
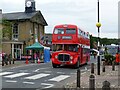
(54, 65)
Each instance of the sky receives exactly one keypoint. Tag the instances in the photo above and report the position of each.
(82, 13)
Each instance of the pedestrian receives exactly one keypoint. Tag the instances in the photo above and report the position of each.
(117, 58)
(6, 59)
(10, 58)
(94, 55)
(41, 56)
(35, 57)
(3, 59)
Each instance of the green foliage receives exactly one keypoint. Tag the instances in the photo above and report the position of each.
(103, 41)
(92, 41)
(7, 29)
(107, 41)
(109, 59)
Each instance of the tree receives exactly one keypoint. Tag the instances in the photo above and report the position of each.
(6, 30)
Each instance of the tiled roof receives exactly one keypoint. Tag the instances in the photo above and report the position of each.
(22, 16)
(18, 15)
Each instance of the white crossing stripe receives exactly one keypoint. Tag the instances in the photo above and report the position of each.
(38, 76)
(11, 81)
(59, 78)
(29, 82)
(5, 73)
(16, 75)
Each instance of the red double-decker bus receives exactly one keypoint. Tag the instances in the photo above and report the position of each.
(71, 46)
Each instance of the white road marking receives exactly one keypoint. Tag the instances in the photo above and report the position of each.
(43, 68)
(48, 85)
(11, 81)
(72, 73)
(47, 71)
(83, 73)
(5, 73)
(36, 70)
(23, 70)
(59, 78)
(85, 68)
(29, 82)
(60, 72)
(16, 75)
(38, 76)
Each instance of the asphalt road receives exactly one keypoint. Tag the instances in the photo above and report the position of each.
(40, 76)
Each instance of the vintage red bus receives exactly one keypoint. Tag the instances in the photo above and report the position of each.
(71, 46)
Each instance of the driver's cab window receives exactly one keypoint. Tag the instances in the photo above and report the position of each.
(72, 48)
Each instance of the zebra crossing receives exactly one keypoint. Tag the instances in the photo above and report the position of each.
(29, 76)
(16, 75)
(59, 78)
(38, 76)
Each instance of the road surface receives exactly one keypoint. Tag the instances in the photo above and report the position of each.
(40, 76)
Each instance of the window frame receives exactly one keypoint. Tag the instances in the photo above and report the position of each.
(15, 31)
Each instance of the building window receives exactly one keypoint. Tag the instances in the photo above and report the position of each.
(17, 51)
(15, 31)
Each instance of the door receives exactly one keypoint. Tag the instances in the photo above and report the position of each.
(18, 52)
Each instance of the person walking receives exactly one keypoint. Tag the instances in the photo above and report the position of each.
(94, 55)
(6, 59)
(117, 58)
(10, 58)
(35, 57)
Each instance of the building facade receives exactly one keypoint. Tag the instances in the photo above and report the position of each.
(0, 31)
(26, 27)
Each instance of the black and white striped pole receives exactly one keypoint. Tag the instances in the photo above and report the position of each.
(98, 24)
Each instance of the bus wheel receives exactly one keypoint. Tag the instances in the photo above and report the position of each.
(54, 65)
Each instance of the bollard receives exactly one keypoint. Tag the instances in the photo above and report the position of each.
(92, 82)
(103, 68)
(106, 85)
(92, 68)
(98, 65)
(78, 77)
(13, 60)
(113, 66)
(64, 87)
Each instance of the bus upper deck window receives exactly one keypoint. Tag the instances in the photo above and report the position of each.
(70, 31)
(59, 31)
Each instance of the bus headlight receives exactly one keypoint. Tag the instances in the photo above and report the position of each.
(71, 62)
(71, 57)
(56, 56)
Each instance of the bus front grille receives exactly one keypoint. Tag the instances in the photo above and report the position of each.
(63, 57)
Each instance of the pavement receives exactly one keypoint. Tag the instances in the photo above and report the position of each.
(18, 63)
(108, 75)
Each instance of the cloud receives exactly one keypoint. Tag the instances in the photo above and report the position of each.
(80, 12)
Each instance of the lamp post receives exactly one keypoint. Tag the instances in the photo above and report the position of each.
(98, 24)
